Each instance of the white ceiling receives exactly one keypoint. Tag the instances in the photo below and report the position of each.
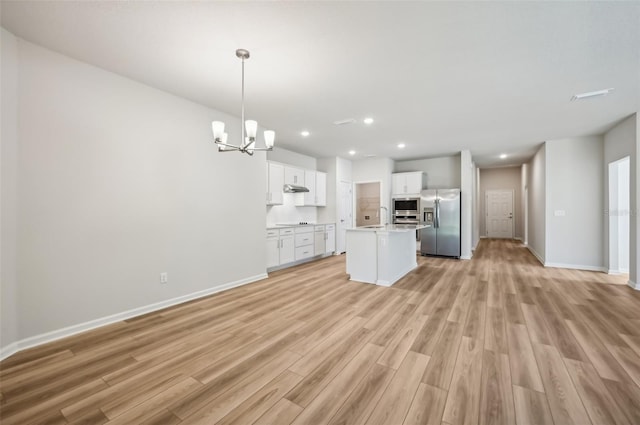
(491, 77)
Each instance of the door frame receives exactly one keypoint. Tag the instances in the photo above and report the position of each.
(355, 200)
(486, 211)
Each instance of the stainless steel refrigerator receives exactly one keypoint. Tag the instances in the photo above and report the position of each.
(440, 209)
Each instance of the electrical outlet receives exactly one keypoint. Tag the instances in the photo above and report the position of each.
(164, 277)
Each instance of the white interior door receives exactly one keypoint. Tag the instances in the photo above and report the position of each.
(345, 215)
(499, 213)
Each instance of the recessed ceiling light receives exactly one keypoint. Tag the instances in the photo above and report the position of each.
(401, 145)
(592, 94)
(352, 153)
(503, 155)
(304, 133)
(368, 120)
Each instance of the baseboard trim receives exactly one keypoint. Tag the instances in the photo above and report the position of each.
(576, 267)
(535, 254)
(51, 336)
(465, 257)
(633, 285)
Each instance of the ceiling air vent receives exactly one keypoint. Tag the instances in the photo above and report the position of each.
(345, 122)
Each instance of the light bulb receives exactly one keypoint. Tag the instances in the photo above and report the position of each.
(218, 129)
(252, 127)
(269, 138)
(223, 140)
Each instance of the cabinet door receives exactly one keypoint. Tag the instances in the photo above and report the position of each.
(287, 250)
(330, 239)
(398, 184)
(414, 182)
(294, 175)
(310, 183)
(319, 242)
(321, 189)
(276, 181)
(273, 252)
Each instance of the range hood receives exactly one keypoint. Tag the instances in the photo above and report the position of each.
(292, 188)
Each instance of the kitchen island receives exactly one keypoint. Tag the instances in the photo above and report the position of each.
(381, 254)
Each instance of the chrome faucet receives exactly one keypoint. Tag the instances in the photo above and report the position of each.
(386, 214)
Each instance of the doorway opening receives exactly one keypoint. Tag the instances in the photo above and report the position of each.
(619, 211)
(345, 215)
(367, 204)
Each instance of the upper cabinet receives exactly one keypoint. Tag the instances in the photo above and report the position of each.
(316, 182)
(294, 175)
(275, 181)
(408, 184)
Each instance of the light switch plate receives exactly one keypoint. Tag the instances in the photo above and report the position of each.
(559, 213)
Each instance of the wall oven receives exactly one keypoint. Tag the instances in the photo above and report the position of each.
(406, 206)
(407, 211)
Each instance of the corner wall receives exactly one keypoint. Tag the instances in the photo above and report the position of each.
(536, 181)
(118, 182)
(8, 191)
(619, 142)
(574, 204)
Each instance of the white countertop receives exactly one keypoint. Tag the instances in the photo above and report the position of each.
(390, 228)
(284, 225)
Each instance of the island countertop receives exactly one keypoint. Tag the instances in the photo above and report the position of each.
(390, 228)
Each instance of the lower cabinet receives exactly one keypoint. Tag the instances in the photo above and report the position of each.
(291, 244)
(280, 247)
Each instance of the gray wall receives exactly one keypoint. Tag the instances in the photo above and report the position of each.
(621, 141)
(537, 206)
(508, 178)
(118, 182)
(575, 185)
(8, 180)
(442, 173)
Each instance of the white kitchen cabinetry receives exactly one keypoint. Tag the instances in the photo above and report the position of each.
(321, 189)
(293, 175)
(319, 240)
(309, 198)
(275, 181)
(280, 247)
(316, 182)
(303, 242)
(407, 184)
(330, 238)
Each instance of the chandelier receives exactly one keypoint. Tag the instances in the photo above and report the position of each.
(249, 136)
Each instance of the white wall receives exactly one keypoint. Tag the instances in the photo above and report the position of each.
(293, 158)
(375, 169)
(524, 184)
(466, 190)
(8, 181)
(621, 141)
(118, 182)
(508, 178)
(536, 181)
(574, 185)
(442, 173)
(288, 212)
(477, 213)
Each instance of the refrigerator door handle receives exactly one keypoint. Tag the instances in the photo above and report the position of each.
(436, 220)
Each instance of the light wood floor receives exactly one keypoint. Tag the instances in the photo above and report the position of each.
(495, 340)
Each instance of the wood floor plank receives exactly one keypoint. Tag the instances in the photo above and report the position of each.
(495, 333)
(496, 405)
(535, 324)
(399, 346)
(427, 406)
(531, 407)
(281, 413)
(600, 405)
(396, 400)
(629, 361)
(564, 402)
(600, 357)
(441, 365)
(524, 369)
(328, 401)
(363, 399)
(463, 399)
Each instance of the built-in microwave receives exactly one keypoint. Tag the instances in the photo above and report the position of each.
(406, 206)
